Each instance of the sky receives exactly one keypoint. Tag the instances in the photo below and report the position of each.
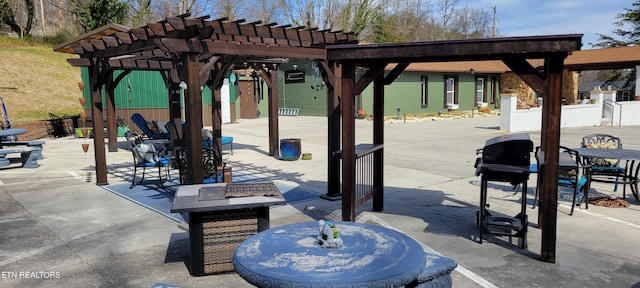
(555, 17)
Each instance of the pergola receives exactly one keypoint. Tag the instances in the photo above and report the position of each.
(199, 52)
(195, 52)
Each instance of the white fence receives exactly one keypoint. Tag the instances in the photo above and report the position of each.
(605, 111)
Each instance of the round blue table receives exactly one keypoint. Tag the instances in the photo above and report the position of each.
(290, 256)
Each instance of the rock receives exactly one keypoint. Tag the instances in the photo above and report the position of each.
(484, 109)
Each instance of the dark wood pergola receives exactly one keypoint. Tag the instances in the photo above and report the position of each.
(199, 52)
(514, 52)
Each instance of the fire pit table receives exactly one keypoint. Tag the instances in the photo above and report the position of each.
(221, 216)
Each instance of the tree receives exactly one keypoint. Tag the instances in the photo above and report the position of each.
(632, 37)
(267, 11)
(18, 15)
(469, 23)
(446, 8)
(357, 16)
(94, 14)
(311, 13)
(140, 12)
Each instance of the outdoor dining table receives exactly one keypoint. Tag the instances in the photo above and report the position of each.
(633, 162)
(371, 256)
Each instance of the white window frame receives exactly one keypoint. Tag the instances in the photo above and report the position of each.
(424, 97)
(480, 81)
(450, 90)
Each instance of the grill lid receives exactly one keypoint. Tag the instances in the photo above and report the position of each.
(505, 158)
(509, 149)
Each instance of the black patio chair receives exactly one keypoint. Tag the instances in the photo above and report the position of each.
(571, 173)
(212, 164)
(604, 170)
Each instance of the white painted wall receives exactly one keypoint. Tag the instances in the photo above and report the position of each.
(605, 109)
(225, 102)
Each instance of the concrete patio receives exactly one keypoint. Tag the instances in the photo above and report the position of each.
(61, 230)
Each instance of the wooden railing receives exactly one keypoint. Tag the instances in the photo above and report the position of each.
(368, 180)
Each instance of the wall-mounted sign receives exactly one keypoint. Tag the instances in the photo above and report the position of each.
(294, 76)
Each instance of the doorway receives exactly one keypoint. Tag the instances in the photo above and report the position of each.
(248, 100)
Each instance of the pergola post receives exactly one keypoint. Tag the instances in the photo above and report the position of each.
(193, 115)
(378, 139)
(95, 85)
(112, 128)
(348, 143)
(550, 141)
(271, 79)
(333, 133)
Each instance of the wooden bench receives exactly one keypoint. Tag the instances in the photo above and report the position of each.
(28, 158)
(36, 144)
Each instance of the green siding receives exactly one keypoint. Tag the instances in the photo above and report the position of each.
(146, 89)
(141, 89)
(310, 96)
(405, 93)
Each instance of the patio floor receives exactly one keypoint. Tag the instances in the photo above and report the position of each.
(55, 219)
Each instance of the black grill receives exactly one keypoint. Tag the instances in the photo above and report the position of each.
(505, 158)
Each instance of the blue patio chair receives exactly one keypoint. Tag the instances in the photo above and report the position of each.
(225, 140)
(145, 156)
(571, 173)
(147, 128)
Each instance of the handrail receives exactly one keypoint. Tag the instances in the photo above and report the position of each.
(366, 183)
(611, 103)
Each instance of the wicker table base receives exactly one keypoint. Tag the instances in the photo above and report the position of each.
(217, 226)
(222, 232)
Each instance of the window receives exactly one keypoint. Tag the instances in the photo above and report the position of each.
(481, 87)
(424, 102)
(450, 91)
(494, 90)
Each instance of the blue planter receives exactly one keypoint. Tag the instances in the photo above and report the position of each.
(290, 149)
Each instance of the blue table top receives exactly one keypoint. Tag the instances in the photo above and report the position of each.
(12, 131)
(290, 256)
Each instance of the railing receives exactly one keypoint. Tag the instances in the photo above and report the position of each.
(368, 183)
(609, 110)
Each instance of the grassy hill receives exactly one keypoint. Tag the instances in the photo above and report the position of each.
(36, 81)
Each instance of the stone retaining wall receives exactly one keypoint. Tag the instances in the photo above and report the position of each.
(40, 129)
